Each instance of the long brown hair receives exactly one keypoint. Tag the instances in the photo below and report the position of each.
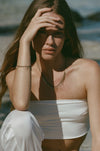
(72, 47)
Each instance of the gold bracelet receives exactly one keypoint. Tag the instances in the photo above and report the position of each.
(18, 66)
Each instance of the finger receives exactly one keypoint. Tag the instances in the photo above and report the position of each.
(57, 18)
(49, 27)
(53, 28)
(51, 20)
(41, 11)
(44, 25)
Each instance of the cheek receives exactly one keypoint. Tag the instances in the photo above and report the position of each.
(39, 41)
(59, 42)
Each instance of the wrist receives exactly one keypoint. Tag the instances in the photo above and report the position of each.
(25, 41)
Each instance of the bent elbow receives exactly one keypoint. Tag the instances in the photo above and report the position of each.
(21, 108)
(20, 105)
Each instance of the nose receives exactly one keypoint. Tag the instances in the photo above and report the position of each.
(50, 40)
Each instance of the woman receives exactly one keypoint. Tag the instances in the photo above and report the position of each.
(52, 89)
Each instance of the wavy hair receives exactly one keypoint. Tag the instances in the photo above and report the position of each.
(72, 47)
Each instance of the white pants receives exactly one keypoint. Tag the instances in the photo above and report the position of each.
(21, 132)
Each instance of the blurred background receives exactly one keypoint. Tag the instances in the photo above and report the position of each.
(86, 15)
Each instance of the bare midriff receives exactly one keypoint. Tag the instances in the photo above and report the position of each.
(62, 144)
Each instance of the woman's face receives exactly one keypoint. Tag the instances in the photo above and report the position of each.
(49, 41)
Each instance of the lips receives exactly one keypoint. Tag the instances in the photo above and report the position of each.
(49, 50)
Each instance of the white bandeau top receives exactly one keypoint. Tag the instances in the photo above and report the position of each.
(61, 119)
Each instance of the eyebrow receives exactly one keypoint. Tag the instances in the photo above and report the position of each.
(60, 30)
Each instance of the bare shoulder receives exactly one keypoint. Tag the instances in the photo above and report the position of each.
(90, 69)
(88, 65)
(10, 78)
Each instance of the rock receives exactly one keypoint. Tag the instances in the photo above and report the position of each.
(8, 29)
(94, 17)
(77, 17)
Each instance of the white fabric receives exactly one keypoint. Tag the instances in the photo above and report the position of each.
(21, 132)
(61, 119)
(53, 119)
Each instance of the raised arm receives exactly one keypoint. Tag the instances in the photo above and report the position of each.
(93, 95)
(19, 80)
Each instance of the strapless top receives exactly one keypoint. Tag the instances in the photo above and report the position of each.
(61, 119)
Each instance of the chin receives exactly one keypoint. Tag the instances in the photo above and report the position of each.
(47, 57)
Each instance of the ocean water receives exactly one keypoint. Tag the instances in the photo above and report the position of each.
(89, 31)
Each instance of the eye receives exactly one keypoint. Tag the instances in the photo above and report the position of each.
(58, 34)
(42, 31)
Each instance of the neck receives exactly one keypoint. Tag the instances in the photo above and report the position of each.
(49, 70)
(57, 64)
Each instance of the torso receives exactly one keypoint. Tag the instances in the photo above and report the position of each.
(73, 87)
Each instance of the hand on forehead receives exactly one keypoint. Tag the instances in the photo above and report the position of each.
(53, 14)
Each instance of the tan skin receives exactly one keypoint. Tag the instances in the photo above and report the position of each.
(82, 78)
